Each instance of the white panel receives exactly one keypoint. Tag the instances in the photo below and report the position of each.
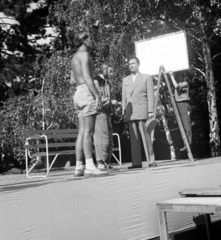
(169, 50)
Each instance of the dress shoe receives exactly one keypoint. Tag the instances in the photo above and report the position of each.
(183, 149)
(153, 164)
(135, 166)
(109, 167)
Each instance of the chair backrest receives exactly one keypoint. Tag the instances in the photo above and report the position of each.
(56, 138)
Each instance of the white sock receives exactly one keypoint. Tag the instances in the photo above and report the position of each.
(90, 164)
(79, 164)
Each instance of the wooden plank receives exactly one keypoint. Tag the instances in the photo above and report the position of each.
(50, 145)
(194, 209)
(192, 204)
(50, 131)
(56, 136)
(201, 192)
(193, 200)
(41, 154)
(29, 133)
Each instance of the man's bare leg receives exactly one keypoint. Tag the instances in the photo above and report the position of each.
(79, 141)
(79, 171)
(89, 124)
(91, 170)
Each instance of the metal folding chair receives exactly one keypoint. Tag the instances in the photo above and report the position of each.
(117, 149)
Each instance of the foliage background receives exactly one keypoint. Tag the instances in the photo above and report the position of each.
(34, 78)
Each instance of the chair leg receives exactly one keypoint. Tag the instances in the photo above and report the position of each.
(208, 225)
(118, 149)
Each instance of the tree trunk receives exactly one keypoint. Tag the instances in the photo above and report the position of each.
(211, 100)
(211, 89)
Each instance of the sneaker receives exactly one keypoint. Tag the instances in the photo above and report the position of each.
(101, 166)
(104, 166)
(79, 172)
(95, 173)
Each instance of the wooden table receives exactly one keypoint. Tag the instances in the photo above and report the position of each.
(205, 205)
(201, 192)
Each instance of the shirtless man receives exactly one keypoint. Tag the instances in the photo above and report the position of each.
(87, 103)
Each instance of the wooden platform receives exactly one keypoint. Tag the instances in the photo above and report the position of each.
(119, 206)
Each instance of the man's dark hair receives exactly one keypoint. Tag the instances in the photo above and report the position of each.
(100, 80)
(179, 77)
(104, 64)
(137, 59)
(80, 37)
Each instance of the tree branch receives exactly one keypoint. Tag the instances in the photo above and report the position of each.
(8, 18)
(213, 34)
(181, 29)
(3, 23)
(50, 125)
(9, 34)
(130, 23)
(3, 52)
(188, 33)
(200, 56)
(216, 55)
(197, 69)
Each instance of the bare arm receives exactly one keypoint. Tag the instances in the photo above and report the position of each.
(173, 79)
(182, 85)
(98, 87)
(72, 80)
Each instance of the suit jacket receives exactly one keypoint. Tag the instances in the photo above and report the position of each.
(137, 97)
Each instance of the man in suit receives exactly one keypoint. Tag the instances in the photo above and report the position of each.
(137, 108)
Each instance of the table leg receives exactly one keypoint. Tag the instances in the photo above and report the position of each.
(162, 219)
(208, 225)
